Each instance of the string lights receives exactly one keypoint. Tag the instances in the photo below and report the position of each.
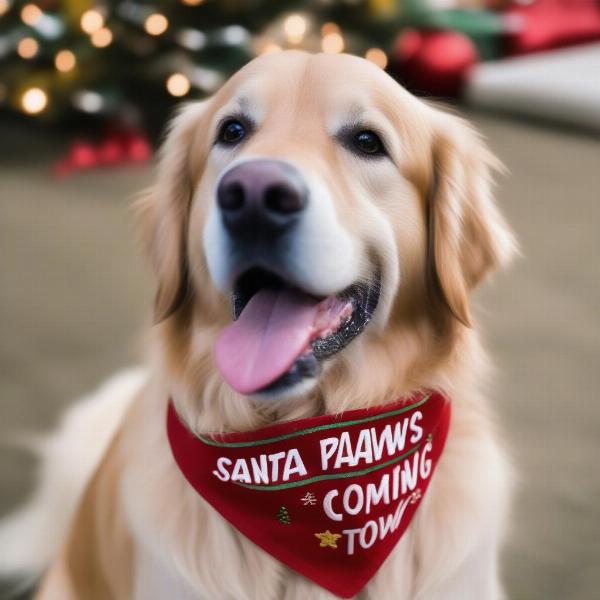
(329, 27)
(178, 85)
(54, 30)
(295, 28)
(207, 80)
(91, 21)
(235, 35)
(377, 56)
(65, 61)
(88, 101)
(332, 43)
(192, 39)
(31, 14)
(102, 37)
(27, 48)
(156, 24)
(332, 40)
(34, 100)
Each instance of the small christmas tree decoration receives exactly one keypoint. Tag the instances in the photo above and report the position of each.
(283, 516)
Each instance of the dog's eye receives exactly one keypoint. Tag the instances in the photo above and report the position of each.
(231, 132)
(368, 142)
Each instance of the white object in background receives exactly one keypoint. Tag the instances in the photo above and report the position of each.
(31, 537)
(561, 85)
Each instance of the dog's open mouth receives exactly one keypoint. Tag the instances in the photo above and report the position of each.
(280, 334)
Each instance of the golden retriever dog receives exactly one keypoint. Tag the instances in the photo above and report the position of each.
(307, 185)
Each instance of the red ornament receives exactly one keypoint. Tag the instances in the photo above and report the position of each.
(110, 152)
(408, 44)
(547, 24)
(82, 155)
(139, 148)
(115, 148)
(435, 62)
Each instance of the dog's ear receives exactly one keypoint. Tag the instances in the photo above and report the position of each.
(163, 209)
(467, 236)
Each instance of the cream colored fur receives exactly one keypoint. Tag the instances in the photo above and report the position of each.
(426, 218)
(31, 537)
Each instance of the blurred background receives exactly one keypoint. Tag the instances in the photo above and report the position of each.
(86, 88)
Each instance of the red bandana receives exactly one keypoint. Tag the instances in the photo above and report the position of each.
(329, 496)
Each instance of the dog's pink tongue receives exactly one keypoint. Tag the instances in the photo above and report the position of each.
(272, 331)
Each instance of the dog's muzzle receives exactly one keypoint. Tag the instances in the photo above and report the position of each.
(282, 329)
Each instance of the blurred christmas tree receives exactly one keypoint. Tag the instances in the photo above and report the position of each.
(125, 62)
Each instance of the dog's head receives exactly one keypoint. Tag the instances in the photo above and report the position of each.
(309, 212)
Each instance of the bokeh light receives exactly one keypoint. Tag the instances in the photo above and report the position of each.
(377, 56)
(4, 6)
(34, 100)
(27, 48)
(156, 24)
(102, 38)
(192, 39)
(91, 20)
(295, 28)
(31, 14)
(178, 85)
(329, 28)
(88, 101)
(332, 43)
(64, 61)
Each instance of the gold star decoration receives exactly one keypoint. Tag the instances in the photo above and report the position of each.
(328, 539)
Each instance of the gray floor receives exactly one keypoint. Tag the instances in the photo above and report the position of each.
(75, 296)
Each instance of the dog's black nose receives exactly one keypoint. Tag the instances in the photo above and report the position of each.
(261, 194)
